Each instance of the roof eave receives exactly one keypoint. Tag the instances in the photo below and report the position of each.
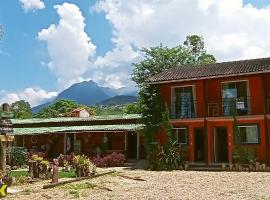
(207, 77)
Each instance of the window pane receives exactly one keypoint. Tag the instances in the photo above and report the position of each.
(181, 135)
(248, 134)
(183, 102)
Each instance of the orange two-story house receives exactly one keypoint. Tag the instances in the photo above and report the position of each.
(203, 100)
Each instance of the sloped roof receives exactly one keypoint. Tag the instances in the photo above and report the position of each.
(216, 70)
(67, 129)
(72, 119)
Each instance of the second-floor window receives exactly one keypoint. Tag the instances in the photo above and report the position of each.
(235, 98)
(183, 105)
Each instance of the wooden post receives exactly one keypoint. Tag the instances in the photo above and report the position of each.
(125, 143)
(65, 143)
(3, 149)
(138, 146)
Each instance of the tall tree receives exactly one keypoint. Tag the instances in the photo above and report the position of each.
(21, 109)
(157, 59)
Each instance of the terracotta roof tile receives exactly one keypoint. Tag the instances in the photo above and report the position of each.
(224, 69)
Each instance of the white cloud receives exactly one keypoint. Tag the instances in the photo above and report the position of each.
(34, 96)
(29, 5)
(231, 29)
(69, 46)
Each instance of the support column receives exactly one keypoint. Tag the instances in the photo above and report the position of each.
(65, 143)
(3, 150)
(125, 143)
(138, 146)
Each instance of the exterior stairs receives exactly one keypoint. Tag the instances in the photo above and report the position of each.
(206, 167)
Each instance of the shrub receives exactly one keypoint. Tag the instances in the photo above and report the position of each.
(31, 153)
(167, 157)
(68, 159)
(17, 156)
(112, 160)
(41, 169)
(244, 155)
(83, 166)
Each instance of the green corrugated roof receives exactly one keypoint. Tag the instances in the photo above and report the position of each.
(47, 130)
(71, 119)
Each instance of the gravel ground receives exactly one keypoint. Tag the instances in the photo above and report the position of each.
(158, 185)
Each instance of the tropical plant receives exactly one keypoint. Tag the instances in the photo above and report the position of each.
(41, 169)
(17, 156)
(83, 166)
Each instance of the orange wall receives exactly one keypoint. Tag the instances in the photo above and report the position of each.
(166, 93)
(213, 92)
(261, 148)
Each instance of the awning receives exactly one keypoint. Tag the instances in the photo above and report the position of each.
(64, 129)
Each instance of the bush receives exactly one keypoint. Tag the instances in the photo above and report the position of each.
(83, 166)
(112, 160)
(42, 168)
(62, 159)
(31, 153)
(244, 155)
(17, 156)
(167, 157)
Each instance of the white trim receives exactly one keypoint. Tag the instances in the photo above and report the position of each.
(250, 126)
(247, 88)
(182, 128)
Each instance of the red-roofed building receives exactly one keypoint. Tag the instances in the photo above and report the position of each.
(203, 100)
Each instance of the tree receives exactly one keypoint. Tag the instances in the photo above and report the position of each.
(61, 108)
(132, 108)
(157, 59)
(21, 109)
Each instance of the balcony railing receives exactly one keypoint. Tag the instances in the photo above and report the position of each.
(185, 108)
(216, 108)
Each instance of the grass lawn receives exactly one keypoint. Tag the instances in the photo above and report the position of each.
(62, 174)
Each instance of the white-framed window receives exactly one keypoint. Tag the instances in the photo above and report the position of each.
(249, 134)
(184, 102)
(181, 135)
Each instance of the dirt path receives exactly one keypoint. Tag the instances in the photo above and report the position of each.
(159, 185)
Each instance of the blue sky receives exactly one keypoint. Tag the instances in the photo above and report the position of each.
(31, 64)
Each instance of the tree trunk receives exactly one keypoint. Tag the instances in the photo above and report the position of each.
(3, 149)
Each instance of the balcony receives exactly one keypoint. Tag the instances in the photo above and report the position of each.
(229, 107)
(239, 106)
(183, 109)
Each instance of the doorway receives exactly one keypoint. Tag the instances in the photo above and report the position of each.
(199, 145)
(220, 144)
(132, 145)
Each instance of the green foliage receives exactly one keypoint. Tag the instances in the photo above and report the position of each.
(132, 108)
(83, 166)
(61, 108)
(244, 155)
(18, 174)
(110, 109)
(169, 157)
(21, 109)
(17, 156)
(157, 59)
